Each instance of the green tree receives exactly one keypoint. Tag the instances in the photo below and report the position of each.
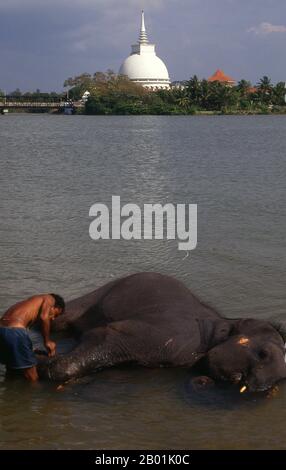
(265, 90)
(243, 87)
(221, 97)
(279, 92)
(194, 90)
(205, 94)
(183, 102)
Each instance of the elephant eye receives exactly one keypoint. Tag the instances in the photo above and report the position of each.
(262, 354)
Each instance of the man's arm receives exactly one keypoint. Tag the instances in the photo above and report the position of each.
(45, 328)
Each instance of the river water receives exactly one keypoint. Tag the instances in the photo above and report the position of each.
(52, 169)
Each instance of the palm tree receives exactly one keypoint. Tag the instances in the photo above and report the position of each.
(265, 90)
(265, 84)
(204, 94)
(243, 87)
(279, 94)
(183, 101)
(222, 97)
(193, 89)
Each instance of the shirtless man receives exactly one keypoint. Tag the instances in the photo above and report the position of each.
(16, 349)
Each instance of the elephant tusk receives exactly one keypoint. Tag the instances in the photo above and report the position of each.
(242, 390)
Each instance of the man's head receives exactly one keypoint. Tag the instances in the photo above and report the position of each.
(59, 306)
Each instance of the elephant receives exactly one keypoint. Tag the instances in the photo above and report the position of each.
(154, 320)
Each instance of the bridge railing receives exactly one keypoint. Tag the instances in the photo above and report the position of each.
(4, 103)
(31, 99)
(32, 104)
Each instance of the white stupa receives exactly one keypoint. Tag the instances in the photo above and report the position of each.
(143, 66)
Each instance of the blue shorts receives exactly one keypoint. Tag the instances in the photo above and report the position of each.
(16, 348)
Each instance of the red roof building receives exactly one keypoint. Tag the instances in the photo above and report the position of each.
(220, 76)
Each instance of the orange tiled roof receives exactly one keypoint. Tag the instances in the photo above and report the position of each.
(220, 76)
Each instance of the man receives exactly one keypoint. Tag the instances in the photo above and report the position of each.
(16, 349)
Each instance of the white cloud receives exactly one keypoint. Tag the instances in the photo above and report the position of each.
(267, 28)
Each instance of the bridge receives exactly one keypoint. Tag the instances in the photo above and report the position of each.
(22, 103)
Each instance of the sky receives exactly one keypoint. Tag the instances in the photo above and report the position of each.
(43, 42)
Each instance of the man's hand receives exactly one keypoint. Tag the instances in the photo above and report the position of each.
(51, 348)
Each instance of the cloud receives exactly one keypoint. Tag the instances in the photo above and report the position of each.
(45, 41)
(267, 28)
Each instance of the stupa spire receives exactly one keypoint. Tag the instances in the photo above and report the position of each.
(143, 39)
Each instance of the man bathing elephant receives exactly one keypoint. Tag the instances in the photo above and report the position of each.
(16, 349)
(153, 320)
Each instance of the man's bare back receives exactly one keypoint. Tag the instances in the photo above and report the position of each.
(23, 314)
(45, 308)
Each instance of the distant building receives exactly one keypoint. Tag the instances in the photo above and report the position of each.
(179, 84)
(85, 96)
(143, 66)
(221, 77)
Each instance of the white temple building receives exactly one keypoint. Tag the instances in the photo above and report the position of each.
(144, 66)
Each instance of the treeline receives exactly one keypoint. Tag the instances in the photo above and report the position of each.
(214, 96)
(116, 94)
(33, 96)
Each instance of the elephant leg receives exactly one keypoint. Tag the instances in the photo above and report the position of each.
(98, 349)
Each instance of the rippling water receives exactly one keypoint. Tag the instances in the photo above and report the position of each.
(52, 169)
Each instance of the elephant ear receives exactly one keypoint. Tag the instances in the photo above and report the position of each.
(214, 332)
(222, 331)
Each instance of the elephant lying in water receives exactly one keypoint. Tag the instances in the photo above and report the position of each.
(153, 320)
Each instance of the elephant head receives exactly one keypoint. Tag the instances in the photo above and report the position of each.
(252, 354)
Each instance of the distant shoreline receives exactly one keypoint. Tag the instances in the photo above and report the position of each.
(197, 113)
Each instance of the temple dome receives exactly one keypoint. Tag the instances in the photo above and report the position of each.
(144, 66)
(139, 66)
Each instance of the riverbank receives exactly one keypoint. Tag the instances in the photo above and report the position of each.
(78, 112)
(242, 112)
